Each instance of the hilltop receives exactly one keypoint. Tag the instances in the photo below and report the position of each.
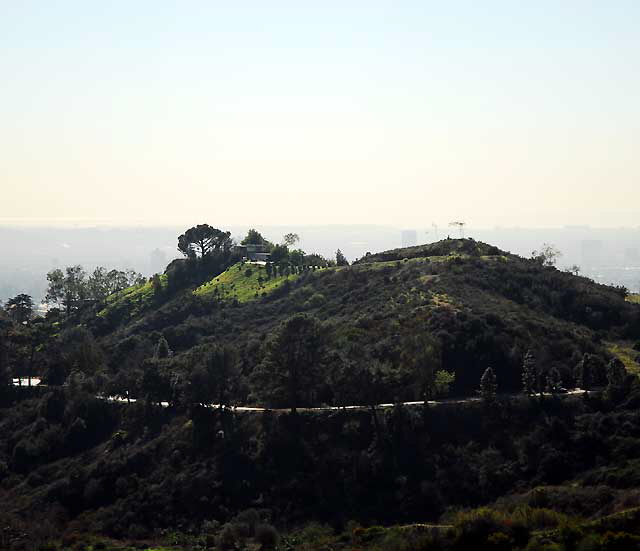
(482, 306)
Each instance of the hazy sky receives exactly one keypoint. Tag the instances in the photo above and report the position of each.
(268, 112)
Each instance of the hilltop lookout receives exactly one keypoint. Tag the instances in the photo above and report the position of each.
(252, 252)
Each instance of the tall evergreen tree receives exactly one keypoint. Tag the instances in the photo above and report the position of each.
(289, 372)
(215, 377)
(554, 381)
(341, 260)
(422, 358)
(529, 374)
(585, 372)
(616, 379)
(20, 308)
(488, 385)
(162, 350)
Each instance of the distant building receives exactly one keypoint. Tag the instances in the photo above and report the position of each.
(409, 238)
(254, 253)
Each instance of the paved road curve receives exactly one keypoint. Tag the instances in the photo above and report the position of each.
(252, 409)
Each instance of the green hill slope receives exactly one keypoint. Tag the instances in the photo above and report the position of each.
(482, 306)
(243, 282)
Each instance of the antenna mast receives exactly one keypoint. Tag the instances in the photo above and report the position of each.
(460, 225)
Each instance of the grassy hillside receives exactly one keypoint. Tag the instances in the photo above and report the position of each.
(482, 306)
(243, 282)
(134, 299)
(446, 247)
(627, 354)
(634, 299)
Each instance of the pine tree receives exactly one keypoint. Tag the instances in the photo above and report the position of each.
(341, 260)
(488, 386)
(585, 374)
(156, 284)
(162, 349)
(529, 374)
(616, 379)
(554, 381)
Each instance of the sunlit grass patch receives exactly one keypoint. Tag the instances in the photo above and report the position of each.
(625, 352)
(242, 281)
(136, 297)
(634, 298)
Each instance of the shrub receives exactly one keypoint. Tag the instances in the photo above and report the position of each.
(226, 538)
(619, 541)
(246, 522)
(315, 301)
(210, 527)
(266, 536)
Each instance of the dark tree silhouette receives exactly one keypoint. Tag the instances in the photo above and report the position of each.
(488, 386)
(341, 260)
(202, 240)
(215, 377)
(254, 237)
(20, 308)
(290, 369)
(162, 349)
(529, 374)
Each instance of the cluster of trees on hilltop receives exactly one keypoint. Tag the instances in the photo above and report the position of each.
(208, 251)
(284, 254)
(72, 287)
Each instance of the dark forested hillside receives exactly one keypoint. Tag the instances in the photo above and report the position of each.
(135, 436)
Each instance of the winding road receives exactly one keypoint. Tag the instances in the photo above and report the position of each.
(37, 382)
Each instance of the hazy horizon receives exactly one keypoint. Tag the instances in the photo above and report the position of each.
(402, 113)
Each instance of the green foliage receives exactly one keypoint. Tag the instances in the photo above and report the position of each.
(547, 256)
(290, 239)
(442, 383)
(422, 357)
(290, 370)
(554, 381)
(279, 254)
(254, 237)
(341, 260)
(488, 386)
(162, 350)
(20, 308)
(243, 286)
(585, 372)
(627, 354)
(529, 374)
(134, 300)
(215, 376)
(203, 240)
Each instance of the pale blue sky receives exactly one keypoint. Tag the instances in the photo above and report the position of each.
(496, 112)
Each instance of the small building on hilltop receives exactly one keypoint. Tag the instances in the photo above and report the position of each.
(254, 253)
